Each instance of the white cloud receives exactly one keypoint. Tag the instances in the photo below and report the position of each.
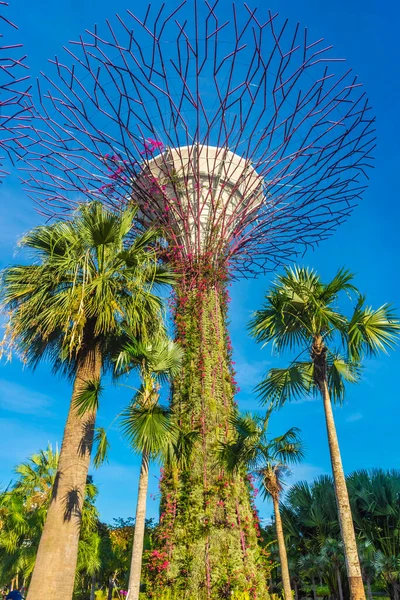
(354, 417)
(304, 472)
(20, 399)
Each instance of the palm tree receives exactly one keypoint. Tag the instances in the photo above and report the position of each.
(310, 566)
(23, 510)
(332, 555)
(366, 553)
(301, 312)
(374, 497)
(90, 273)
(147, 425)
(268, 458)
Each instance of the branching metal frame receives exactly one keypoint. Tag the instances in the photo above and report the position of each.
(196, 76)
(14, 92)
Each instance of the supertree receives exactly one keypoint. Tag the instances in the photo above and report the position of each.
(247, 143)
(14, 94)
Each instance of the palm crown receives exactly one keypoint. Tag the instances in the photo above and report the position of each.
(145, 422)
(301, 313)
(91, 273)
(253, 449)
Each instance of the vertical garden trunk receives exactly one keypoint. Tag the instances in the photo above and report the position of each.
(344, 510)
(138, 536)
(208, 546)
(282, 550)
(54, 572)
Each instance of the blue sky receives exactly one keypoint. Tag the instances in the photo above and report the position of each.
(33, 406)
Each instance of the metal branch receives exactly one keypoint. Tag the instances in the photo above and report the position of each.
(15, 100)
(283, 126)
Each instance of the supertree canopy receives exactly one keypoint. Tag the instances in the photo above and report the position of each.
(14, 92)
(247, 142)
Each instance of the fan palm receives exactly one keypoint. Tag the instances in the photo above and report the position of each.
(23, 510)
(310, 566)
(332, 555)
(388, 567)
(301, 312)
(90, 273)
(147, 425)
(268, 458)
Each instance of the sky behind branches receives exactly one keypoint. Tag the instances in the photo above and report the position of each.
(33, 407)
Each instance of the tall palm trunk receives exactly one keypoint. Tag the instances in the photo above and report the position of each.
(282, 549)
(344, 510)
(138, 538)
(314, 588)
(54, 572)
(357, 592)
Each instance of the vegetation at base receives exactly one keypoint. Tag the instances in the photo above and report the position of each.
(315, 552)
(309, 517)
(91, 276)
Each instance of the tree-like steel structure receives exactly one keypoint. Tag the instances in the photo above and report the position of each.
(246, 142)
(14, 93)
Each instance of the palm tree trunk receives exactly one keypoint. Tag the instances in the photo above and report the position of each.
(344, 510)
(296, 590)
(282, 550)
(54, 572)
(339, 583)
(369, 590)
(93, 588)
(138, 537)
(314, 588)
(110, 588)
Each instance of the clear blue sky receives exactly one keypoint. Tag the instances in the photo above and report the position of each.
(34, 406)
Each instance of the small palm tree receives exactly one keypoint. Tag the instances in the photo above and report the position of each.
(310, 566)
(388, 568)
(147, 425)
(91, 273)
(332, 555)
(268, 458)
(301, 312)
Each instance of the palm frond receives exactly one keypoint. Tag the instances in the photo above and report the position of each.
(88, 398)
(339, 372)
(148, 429)
(372, 331)
(102, 447)
(281, 385)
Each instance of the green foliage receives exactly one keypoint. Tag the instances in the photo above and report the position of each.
(312, 530)
(23, 510)
(146, 428)
(207, 538)
(102, 447)
(88, 398)
(90, 274)
(252, 449)
(301, 313)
